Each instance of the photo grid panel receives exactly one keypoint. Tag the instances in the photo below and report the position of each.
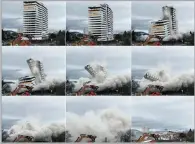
(98, 119)
(98, 23)
(167, 23)
(97, 71)
(100, 71)
(33, 119)
(163, 71)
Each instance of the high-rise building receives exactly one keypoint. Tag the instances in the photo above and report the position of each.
(100, 22)
(35, 20)
(37, 70)
(169, 13)
(96, 69)
(167, 25)
(160, 28)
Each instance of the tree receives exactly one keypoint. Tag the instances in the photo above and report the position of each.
(124, 136)
(68, 38)
(68, 136)
(125, 33)
(52, 36)
(126, 38)
(133, 36)
(60, 138)
(61, 38)
(118, 37)
(105, 140)
(3, 35)
(188, 38)
(190, 136)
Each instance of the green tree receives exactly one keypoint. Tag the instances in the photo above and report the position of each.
(118, 37)
(60, 38)
(52, 36)
(126, 38)
(133, 36)
(3, 35)
(68, 38)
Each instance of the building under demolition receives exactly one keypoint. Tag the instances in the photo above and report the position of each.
(167, 25)
(37, 70)
(94, 71)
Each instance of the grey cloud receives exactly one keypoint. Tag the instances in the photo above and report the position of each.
(163, 112)
(11, 23)
(139, 122)
(45, 109)
(7, 123)
(140, 24)
(76, 74)
(177, 58)
(76, 24)
(11, 74)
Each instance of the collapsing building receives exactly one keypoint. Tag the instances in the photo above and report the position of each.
(97, 71)
(37, 70)
(167, 25)
(94, 70)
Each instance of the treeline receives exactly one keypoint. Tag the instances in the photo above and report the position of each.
(8, 35)
(58, 38)
(121, 39)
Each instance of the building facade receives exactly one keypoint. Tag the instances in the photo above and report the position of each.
(37, 70)
(160, 28)
(35, 20)
(169, 13)
(100, 22)
(167, 25)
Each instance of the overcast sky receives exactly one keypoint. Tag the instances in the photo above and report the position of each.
(14, 62)
(116, 59)
(176, 59)
(41, 109)
(12, 14)
(77, 14)
(144, 12)
(152, 112)
(163, 112)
